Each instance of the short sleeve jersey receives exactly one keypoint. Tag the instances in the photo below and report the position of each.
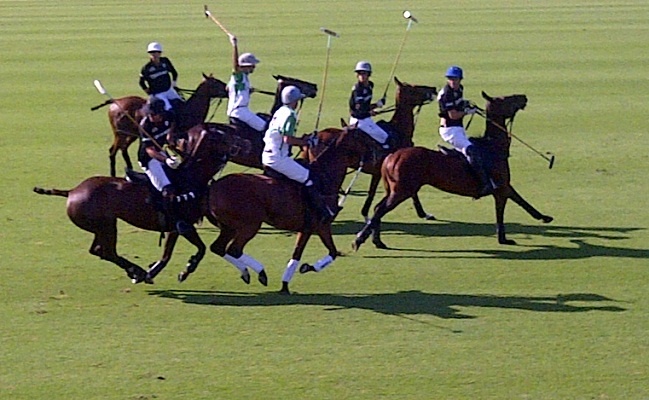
(283, 124)
(158, 131)
(360, 101)
(450, 99)
(156, 77)
(238, 91)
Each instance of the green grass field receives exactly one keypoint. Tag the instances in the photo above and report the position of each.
(447, 313)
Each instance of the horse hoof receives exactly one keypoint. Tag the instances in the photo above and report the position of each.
(148, 280)
(183, 276)
(356, 244)
(246, 277)
(547, 219)
(263, 279)
(507, 241)
(304, 268)
(284, 289)
(380, 245)
(430, 217)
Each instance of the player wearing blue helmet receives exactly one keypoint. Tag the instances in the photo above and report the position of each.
(452, 109)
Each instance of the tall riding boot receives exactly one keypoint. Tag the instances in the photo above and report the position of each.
(477, 162)
(325, 215)
(171, 210)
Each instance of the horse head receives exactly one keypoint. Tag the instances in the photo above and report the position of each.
(504, 107)
(414, 95)
(206, 150)
(348, 145)
(212, 87)
(308, 89)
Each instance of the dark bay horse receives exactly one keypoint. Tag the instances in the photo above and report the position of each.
(97, 203)
(248, 143)
(407, 170)
(402, 126)
(192, 112)
(240, 203)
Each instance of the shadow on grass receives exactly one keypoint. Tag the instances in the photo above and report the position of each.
(405, 303)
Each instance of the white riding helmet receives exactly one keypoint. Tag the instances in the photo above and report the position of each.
(363, 66)
(247, 60)
(153, 47)
(291, 94)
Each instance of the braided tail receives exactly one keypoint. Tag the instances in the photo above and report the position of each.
(52, 192)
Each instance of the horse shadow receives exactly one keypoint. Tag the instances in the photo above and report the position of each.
(577, 237)
(405, 304)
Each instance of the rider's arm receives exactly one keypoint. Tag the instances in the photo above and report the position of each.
(174, 73)
(143, 84)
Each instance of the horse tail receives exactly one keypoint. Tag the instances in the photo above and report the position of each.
(105, 103)
(52, 192)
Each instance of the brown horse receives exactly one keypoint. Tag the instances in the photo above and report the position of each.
(191, 113)
(97, 203)
(401, 127)
(407, 170)
(240, 203)
(248, 143)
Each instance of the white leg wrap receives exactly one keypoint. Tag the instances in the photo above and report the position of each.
(252, 263)
(322, 263)
(237, 263)
(290, 270)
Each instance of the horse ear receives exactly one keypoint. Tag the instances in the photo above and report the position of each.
(204, 76)
(486, 96)
(343, 123)
(397, 81)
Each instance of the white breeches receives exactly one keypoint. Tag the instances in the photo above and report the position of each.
(156, 174)
(167, 96)
(253, 120)
(286, 166)
(370, 127)
(456, 137)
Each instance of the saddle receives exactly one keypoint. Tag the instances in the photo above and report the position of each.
(239, 124)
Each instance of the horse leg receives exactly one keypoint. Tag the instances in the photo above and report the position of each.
(500, 200)
(193, 238)
(327, 239)
(235, 250)
(219, 247)
(300, 244)
(371, 192)
(125, 143)
(518, 199)
(156, 267)
(373, 227)
(112, 151)
(104, 246)
(420, 209)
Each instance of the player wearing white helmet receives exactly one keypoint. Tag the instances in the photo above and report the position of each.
(155, 77)
(239, 88)
(361, 107)
(278, 139)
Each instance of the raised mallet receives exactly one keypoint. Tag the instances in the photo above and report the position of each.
(209, 15)
(407, 15)
(102, 90)
(330, 34)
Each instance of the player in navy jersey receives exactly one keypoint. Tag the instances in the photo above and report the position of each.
(158, 77)
(452, 109)
(361, 107)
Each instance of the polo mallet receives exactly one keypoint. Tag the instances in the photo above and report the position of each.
(209, 15)
(548, 159)
(101, 89)
(349, 188)
(407, 15)
(330, 34)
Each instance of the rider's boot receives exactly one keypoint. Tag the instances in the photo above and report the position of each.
(170, 205)
(315, 200)
(477, 162)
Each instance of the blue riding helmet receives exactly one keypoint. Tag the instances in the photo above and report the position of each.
(454, 72)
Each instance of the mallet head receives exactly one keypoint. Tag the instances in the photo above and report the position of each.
(408, 15)
(207, 12)
(329, 32)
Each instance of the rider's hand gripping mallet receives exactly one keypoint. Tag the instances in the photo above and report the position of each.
(407, 15)
(330, 34)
